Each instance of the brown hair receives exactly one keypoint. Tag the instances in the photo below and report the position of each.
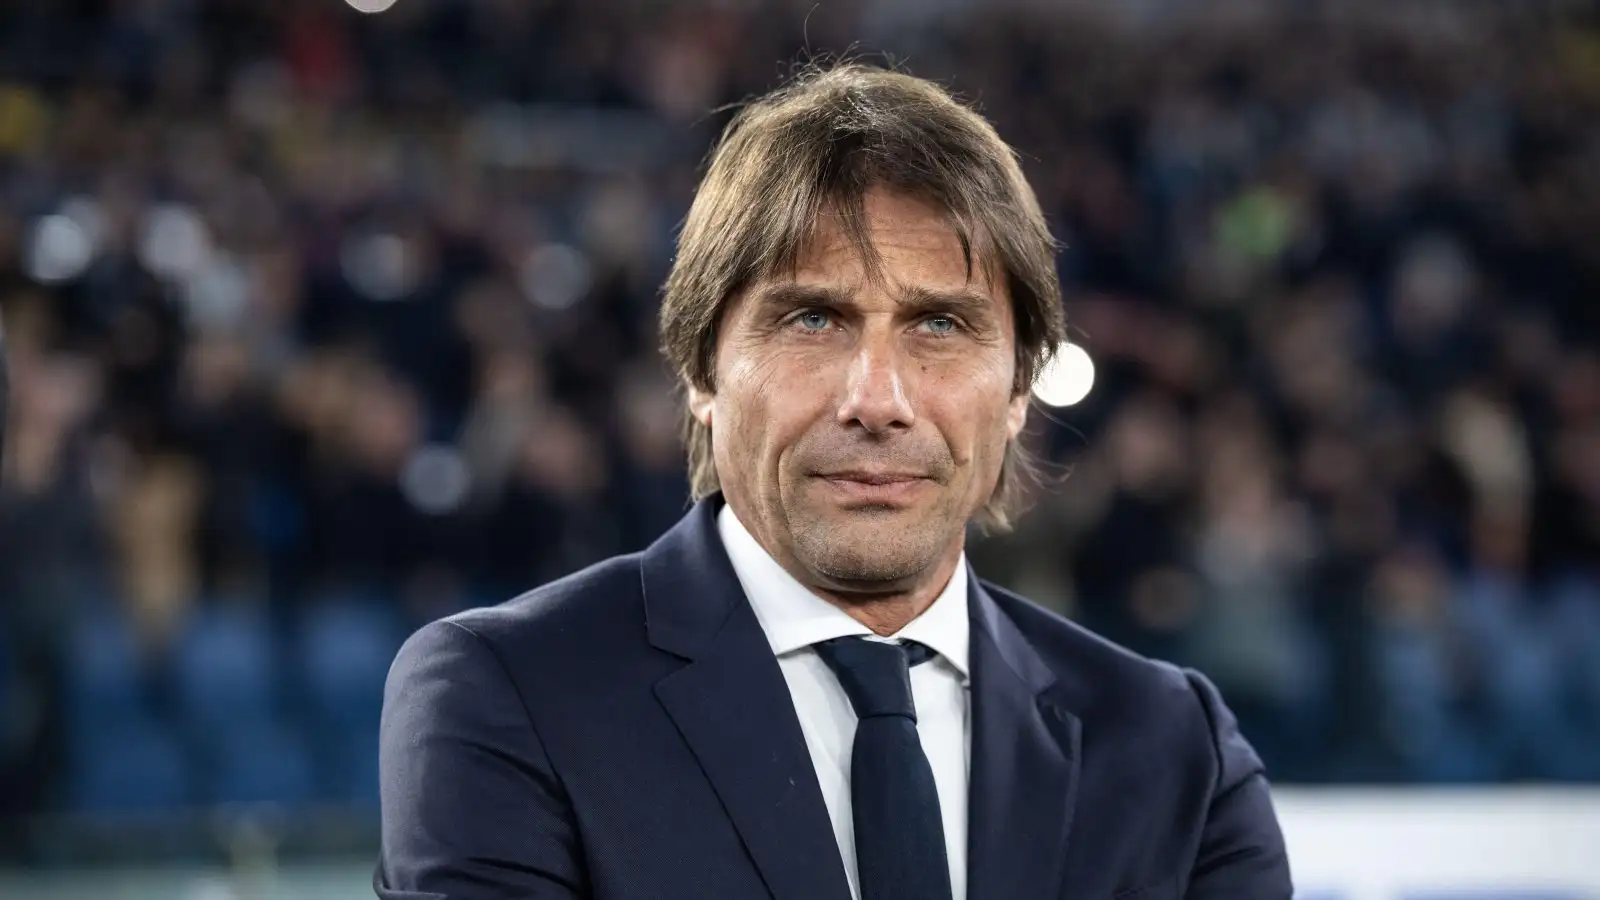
(820, 143)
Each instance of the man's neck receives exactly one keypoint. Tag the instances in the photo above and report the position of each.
(886, 614)
(886, 609)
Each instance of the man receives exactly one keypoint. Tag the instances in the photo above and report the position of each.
(801, 692)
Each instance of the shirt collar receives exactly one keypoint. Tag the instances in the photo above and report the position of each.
(793, 618)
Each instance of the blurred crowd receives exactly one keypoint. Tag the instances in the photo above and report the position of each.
(308, 309)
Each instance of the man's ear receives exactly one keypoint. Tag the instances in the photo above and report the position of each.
(700, 403)
(1017, 414)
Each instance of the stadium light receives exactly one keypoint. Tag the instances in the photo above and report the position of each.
(1067, 379)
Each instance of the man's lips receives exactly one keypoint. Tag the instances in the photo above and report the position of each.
(874, 478)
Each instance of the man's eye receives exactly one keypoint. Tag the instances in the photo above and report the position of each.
(812, 320)
(940, 324)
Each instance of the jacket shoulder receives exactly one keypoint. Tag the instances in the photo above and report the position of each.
(1100, 676)
(578, 613)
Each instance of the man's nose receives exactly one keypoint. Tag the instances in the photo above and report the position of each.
(875, 393)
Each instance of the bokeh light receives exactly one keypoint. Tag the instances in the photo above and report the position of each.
(1067, 379)
(59, 249)
(435, 479)
(556, 276)
(379, 266)
(175, 242)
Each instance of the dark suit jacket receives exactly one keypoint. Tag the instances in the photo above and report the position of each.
(626, 733)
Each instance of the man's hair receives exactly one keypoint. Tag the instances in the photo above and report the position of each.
(818, 145)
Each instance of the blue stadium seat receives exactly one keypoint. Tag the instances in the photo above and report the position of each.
(131, 765)
(344, 651)
(8, 688)
(1575, 633)
(349, 767)
(103, 672)
(259, 761)
(225, 668)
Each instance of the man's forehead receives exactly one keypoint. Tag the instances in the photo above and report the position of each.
(884, 219)
(929, 254)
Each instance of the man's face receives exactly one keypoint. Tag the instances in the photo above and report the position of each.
(858, 423)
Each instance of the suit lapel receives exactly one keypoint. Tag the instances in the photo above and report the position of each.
(733, 708)
(1025, 754)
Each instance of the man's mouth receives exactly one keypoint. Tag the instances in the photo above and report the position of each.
(875, 478)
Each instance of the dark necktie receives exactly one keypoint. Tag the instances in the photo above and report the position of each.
(899, 833)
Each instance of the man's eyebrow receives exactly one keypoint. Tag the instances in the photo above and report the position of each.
(789, 295)
(972, 304)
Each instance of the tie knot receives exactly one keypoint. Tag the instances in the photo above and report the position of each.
(875, 675)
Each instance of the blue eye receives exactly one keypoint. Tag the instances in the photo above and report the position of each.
(940, 324)
(812, 320)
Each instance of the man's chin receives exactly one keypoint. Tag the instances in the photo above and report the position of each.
(868, 545)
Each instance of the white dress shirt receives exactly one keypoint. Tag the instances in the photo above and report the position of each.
(794, 619)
